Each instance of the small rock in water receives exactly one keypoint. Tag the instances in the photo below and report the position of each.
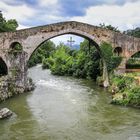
(4, 113)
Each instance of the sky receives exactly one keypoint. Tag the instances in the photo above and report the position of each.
(124, 14)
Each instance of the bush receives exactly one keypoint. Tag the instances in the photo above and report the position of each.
(44, 51)
(45, 64)
(134, 96)
(128, 87)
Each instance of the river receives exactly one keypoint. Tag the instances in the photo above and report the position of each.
(65, 108)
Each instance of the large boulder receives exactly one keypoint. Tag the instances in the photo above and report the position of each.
(4, 113)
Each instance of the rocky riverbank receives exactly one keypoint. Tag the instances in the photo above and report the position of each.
(8, 88)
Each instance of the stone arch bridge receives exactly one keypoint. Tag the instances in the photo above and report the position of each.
(31, 38)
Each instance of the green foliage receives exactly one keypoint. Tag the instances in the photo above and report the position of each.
(85, 46)
(134, 96)
(135, 32)
(136, 55)
(6, 26)
(83, 63)
(15, 49)
(134, 74)
(128, 87)
(123, 82)
(111, 60)
(11, 25)
(61, 60)
(109, 27)
(115, 62)
(45, 64)
(44, 51)
(134, 62)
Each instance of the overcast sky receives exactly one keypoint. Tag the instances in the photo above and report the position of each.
(124, 14)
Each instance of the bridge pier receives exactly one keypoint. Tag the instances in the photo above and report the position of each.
(18, 71)
(105, 75)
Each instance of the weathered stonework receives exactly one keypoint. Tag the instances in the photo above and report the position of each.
(30, 39)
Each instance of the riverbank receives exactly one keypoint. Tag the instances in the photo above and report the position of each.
(8, 88)
(125, 89)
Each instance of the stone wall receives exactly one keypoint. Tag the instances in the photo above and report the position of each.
(9, 88)
(4, 94)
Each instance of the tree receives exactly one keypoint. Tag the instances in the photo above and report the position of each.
(41, 53)
(135, 32)
(11, 25)
(7, 26)
(109, 27)
(2, 22)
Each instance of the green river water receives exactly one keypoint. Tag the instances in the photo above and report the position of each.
(65, 108)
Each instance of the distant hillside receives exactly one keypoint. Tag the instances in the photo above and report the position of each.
(75, 46)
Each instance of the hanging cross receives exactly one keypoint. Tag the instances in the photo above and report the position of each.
(70, 41)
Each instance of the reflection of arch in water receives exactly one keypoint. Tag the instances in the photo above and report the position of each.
(3, 67)
(118, 51)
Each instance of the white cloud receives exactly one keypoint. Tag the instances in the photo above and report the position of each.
(22, 27)
(48, 11)
(47, 2)
(19, 12)
(123, 17)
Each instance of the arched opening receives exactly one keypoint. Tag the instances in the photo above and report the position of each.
(70, 50)
(89, 38)
(3, 68)
(133, 63)
(118, 51)
(15, 48)
(67, 32)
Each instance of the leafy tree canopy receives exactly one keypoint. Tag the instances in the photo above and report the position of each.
(109, 27)
(135, 32)
(9, 25)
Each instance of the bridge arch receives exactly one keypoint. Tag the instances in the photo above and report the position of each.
(46, 37)
(96, 43)
(118, 51)
(133, 62)
(3, 67)
(134, 54)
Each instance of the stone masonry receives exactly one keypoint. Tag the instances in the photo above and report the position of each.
(31, 38)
